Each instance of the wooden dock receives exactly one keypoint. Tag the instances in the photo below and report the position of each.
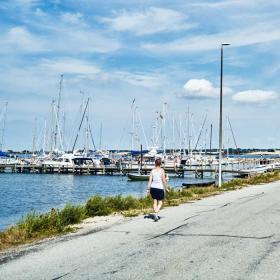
(114, 170)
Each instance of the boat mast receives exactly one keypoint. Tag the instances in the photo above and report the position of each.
(183, 123)
(164, 128)
(142, 127)
(173, 133)
(87, 135)
(189, 136)
(154, 129)
(233, 136)
(52, 126)
(44, 137)
(158, 129)
(210, 147)
(63, 129)
(58, 111)
(34, 137)
(133, 124)
(100, 135)
(91, 136)
(180, 136)
(59, 133)
(228, 128)
(3, 126)
(79, 129)
(205, 141)
(200, 131)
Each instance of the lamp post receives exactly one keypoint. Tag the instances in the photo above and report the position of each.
(221, 118)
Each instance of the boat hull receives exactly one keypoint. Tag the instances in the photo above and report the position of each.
(138, 177)
(199, 184)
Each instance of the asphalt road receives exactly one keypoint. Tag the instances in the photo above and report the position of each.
(230, 236)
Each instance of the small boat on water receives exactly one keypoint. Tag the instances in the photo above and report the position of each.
(202, 183)
(138, 177)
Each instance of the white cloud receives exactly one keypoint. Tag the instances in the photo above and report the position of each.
(255, 96)
(229, 3)
(69, 66)
(63, 39)
(39, 13)
(151, 21)
(137, 80)
(226, 3)
(84, 40)
(20, 39)
(72, 18)
(201, 88)
(146, 80)
(27, 2)
(258, 33)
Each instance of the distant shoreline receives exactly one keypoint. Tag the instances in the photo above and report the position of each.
(276, 152)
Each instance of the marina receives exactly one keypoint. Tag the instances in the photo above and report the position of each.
(122, 171)
(36, 184)
(53, 176)
(139, 139)
(122, 163)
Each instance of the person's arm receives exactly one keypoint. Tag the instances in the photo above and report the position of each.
(149, 183)
(164, 181)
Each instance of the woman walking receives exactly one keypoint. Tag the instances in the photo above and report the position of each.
(157, 184)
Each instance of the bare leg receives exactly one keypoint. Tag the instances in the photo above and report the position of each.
(159, 205)
(155, 206)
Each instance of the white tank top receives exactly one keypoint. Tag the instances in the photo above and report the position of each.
(157, 179)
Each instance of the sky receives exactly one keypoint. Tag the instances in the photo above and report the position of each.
(154, 52)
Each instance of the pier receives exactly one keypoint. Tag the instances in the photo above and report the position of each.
(119, 170)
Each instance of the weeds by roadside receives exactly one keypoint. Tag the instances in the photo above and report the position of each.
(36, 226)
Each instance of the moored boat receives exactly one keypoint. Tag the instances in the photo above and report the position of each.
(202, 183)
(138, 177)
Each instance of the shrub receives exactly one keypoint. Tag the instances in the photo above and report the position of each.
(96, 206)
(199, 190)
(233, 184)
(128, 203)
(71, 214)
(35, 224)
(145, 202)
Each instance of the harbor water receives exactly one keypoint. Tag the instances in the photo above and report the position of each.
(24, 193)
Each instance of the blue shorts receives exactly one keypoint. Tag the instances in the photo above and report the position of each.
(157, 194)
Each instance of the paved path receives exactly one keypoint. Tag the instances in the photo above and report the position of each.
(235, 235)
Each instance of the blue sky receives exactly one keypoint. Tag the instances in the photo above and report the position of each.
(153, 51)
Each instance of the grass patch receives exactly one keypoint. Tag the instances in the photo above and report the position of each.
(36, 226)
(102, 206)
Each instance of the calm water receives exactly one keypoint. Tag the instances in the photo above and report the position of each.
(22, 193)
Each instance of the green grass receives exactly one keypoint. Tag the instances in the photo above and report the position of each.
(36, 226)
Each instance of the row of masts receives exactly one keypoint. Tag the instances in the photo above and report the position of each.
(182, 129)
(54, 137)
(167, 130)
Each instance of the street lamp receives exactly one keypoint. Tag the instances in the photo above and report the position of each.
(221, 119)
